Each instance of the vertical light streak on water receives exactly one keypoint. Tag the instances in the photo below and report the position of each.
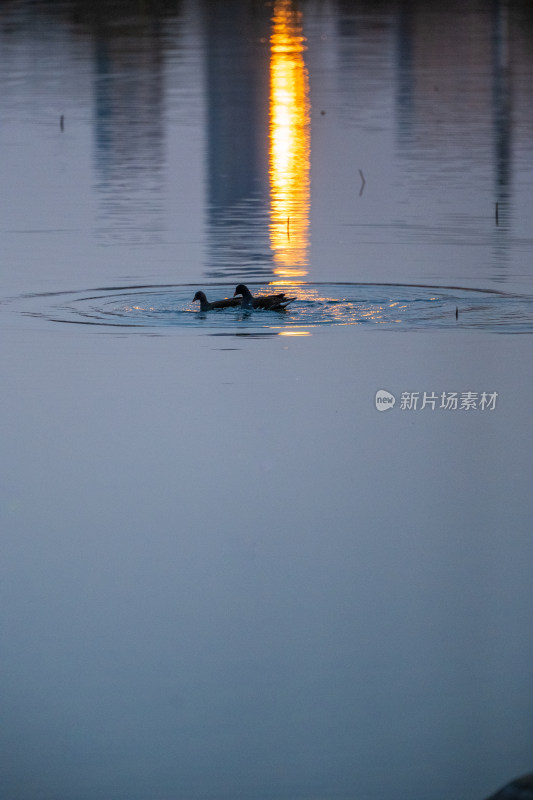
(289, 166)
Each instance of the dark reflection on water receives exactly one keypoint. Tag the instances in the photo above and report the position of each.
(258, 139)
(129, 132)
(437, 105)
(236, 76)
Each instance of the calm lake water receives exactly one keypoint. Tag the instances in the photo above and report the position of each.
(226, 572)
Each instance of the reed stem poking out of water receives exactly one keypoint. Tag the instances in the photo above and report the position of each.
(362, 182)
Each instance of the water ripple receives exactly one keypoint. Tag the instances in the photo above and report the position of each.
(387, 306)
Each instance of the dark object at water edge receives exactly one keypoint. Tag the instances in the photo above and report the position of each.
(519, 789)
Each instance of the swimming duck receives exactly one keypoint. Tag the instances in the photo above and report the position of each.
(519, 789)
(270, 302)
(205, 305)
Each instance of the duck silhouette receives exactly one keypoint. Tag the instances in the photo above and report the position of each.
(205, 305)
(269, 302)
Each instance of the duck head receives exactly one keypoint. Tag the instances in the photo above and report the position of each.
(244, 291)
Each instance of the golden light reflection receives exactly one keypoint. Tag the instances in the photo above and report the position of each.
(289, 143)
(295, 333)
(286, 283)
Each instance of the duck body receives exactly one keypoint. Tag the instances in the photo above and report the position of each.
(269, 302)
(205, 305)
(519, 789)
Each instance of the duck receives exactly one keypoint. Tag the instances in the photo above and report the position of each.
(205, 305)
(269, 302)
(519, 789)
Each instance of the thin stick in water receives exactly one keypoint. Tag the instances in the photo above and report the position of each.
(362, 182)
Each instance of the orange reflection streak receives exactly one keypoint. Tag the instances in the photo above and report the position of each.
(289, 143)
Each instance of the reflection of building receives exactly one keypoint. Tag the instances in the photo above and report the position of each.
(258, 140)
(501, 102)
(128, 129)
(442, 107)
(236, 56)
